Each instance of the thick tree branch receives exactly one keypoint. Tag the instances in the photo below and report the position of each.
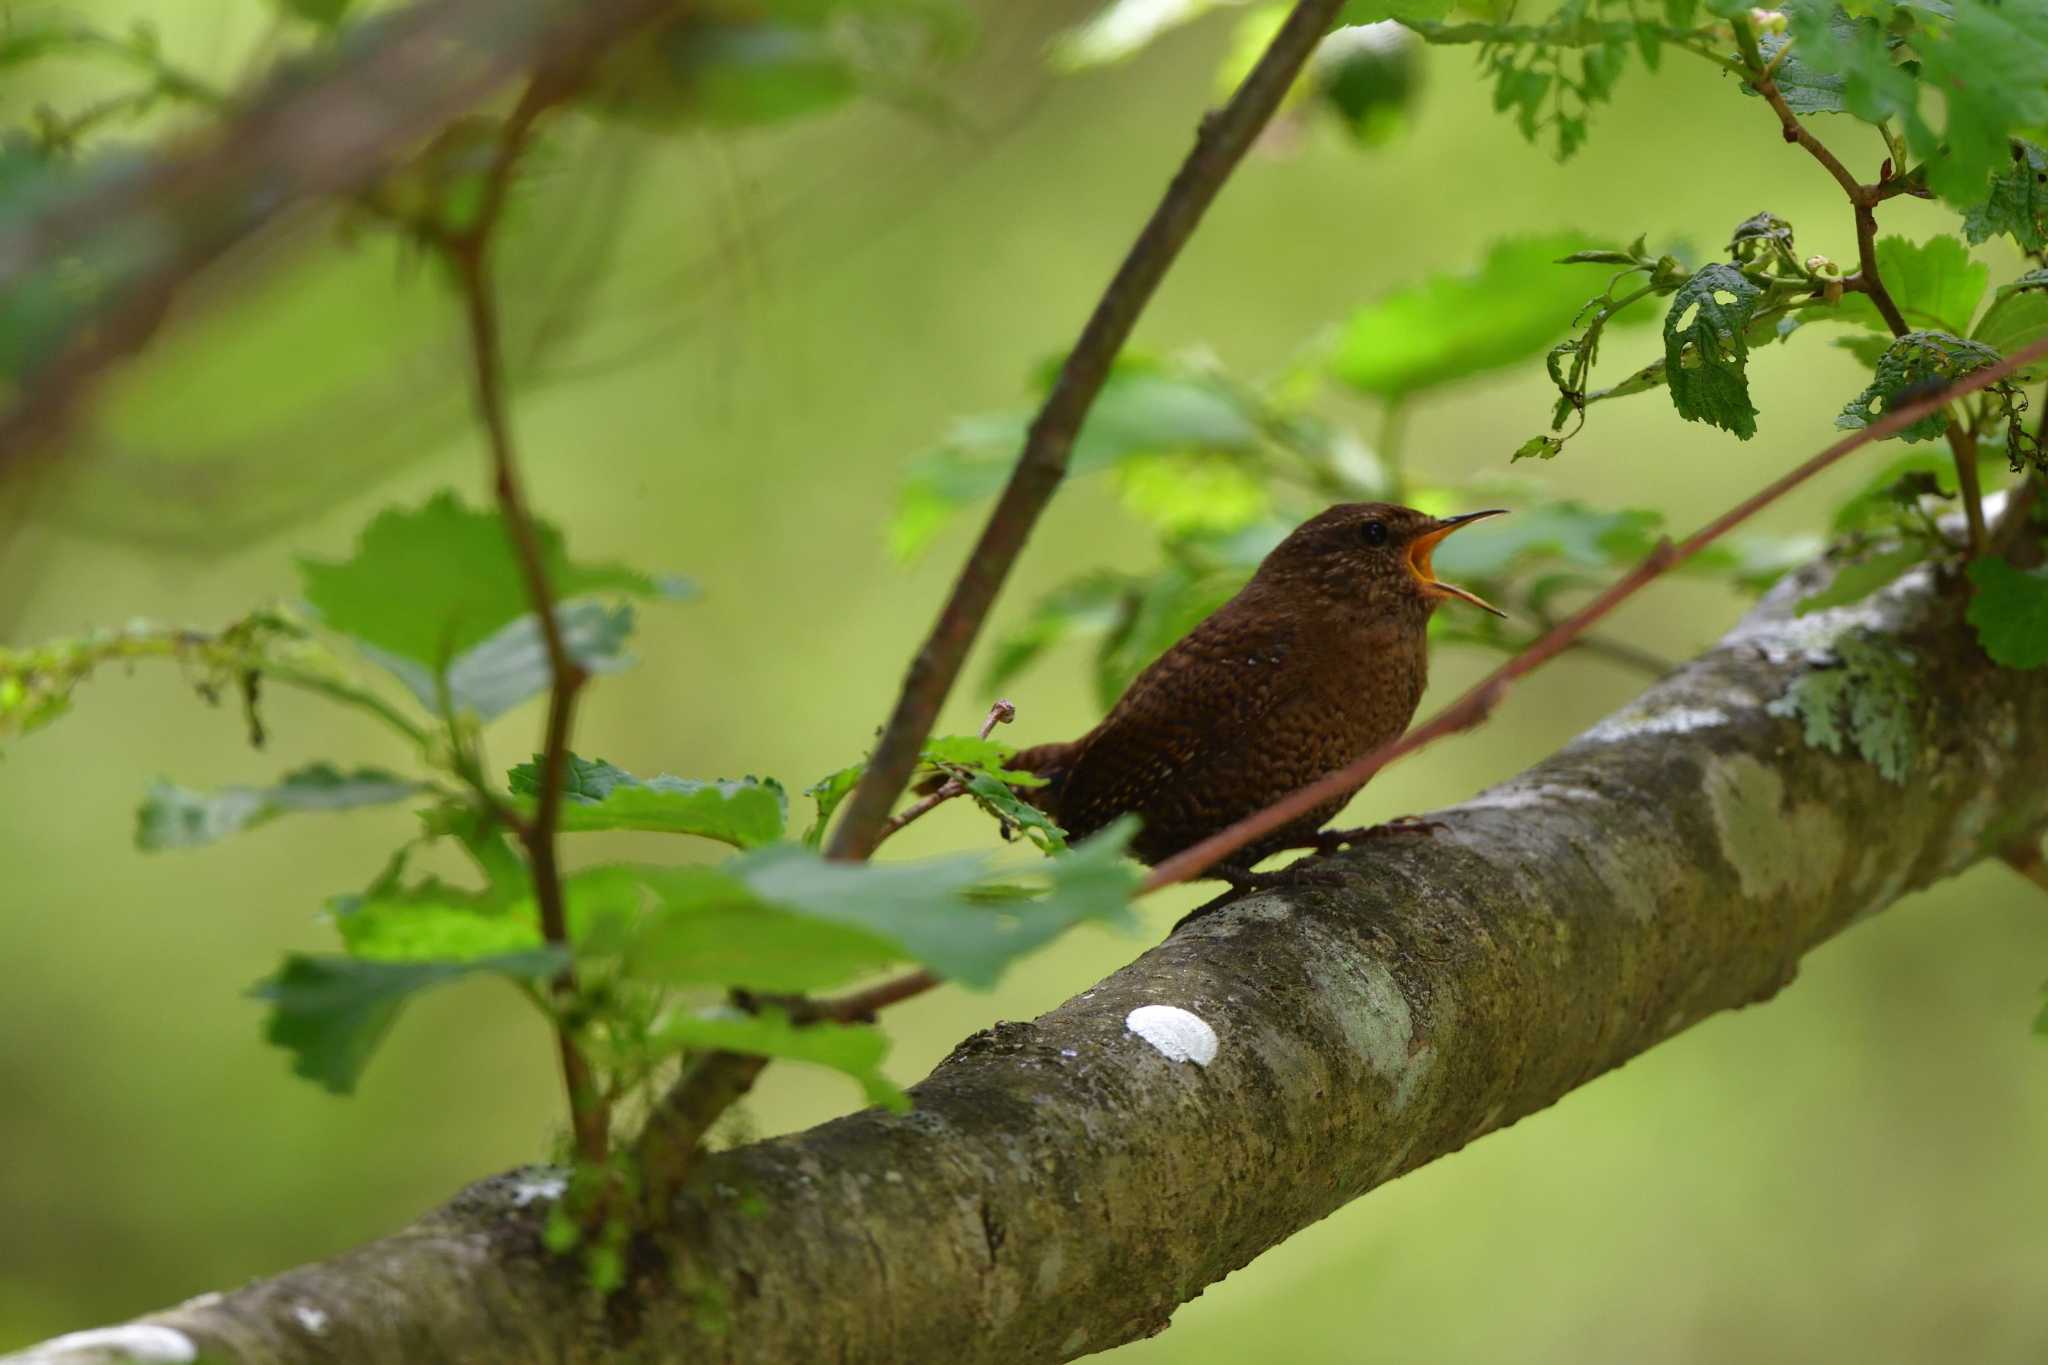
(1061, 1186)
(1225, 136)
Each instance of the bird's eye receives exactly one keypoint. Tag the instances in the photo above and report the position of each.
(1375, 533)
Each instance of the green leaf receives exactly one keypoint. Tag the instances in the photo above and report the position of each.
(1143, 410)
(1014, 813)
(1934, 283)
(1869, 699)
(1180, 495)
(744, 813)
(1567, 531)
(1091, 605)
(512, 665)
(709, 926)
(432, 583)
(855, 1050)
(2010, 611)
(1854, 582)
(1168, 605)
(2017, 318)
(956, 915)
(1913, 367)
(828, 792)
(333, 1012)
(1705, 352)
(1121, 28)
(1453, 327)
(178, 817)
(1807, 89)
(2017, 204)
(956, 752)
(325, 13)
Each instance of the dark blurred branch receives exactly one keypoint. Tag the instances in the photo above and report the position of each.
(1062, 1185)
(325, 125)
(1225, 136)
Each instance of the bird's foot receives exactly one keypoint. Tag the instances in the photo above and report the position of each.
(1330, 840)
(1244, 882)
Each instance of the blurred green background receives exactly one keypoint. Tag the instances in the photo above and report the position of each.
(728, 385)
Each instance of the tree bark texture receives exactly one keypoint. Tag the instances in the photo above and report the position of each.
(1061, 1186)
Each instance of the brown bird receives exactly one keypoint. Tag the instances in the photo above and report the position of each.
(1320, 659)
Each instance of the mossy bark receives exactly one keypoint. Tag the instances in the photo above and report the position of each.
(1063, 1185)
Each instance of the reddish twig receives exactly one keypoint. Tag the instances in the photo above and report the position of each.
(1869, 280)
(1225, 136)
(468, 255)
(1474, 706)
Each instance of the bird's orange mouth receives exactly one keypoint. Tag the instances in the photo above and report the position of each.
(1420, 549)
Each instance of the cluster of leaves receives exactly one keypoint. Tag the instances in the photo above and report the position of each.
(654, 945)
(1217, 468)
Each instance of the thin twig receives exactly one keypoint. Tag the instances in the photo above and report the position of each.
(1225, 136)
(1477, 703)
(468, 254)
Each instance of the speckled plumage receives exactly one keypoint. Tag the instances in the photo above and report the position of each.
(1322, 657)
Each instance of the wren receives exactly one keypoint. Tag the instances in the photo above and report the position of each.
(1320, 659)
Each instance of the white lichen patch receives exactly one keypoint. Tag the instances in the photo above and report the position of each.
(313, 1319)
(138, 1343)
(1176, 1034)
(539, 1186)
(1527, 796)
(1772, 848)
(1632, 721)
(1378, 1023)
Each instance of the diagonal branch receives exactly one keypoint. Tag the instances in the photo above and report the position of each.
(1063, 1185)
(1226, 135)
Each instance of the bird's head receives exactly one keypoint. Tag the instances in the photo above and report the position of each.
(1376, 554)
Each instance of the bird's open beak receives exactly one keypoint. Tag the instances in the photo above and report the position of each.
(1420, 549)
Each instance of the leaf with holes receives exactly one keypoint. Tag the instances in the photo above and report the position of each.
(2017, 204)
(1705, 352)
(178, 817)
(2010, 611)
(1912, 368)
(745, 812)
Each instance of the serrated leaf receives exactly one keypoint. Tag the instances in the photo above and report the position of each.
(1705, 351)
(394, 921)
(827, 792)
(1144, 410)
(2017, 202)
(1807, 90)
(854, 1050)
(432, 583)
(1856, 581)
(958, 915)
(333, 1012)
(1453, 327)
(956, 752)
(1869, 701)
(710, 927)
(1537, 448)
(1912, 368)
(178, 817)
(512, 666)
(597, 795)
(2010, 611)
(1934, 283)
(1015, 814)
(2017, 318)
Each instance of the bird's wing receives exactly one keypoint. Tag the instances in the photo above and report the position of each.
(1198, 697)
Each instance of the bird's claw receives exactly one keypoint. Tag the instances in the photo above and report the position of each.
(1331, 840)
(1244, 882)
